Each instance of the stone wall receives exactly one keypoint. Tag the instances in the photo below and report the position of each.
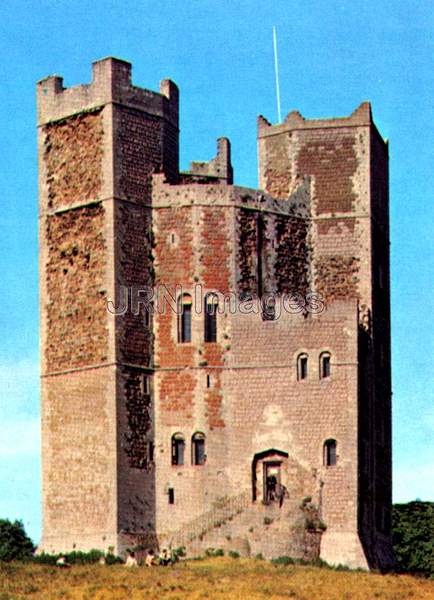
(115, 215)
(346, 160)
(78, 451)
(254, 401)
(73, 150)
(334, 154)
(98, 147)
(76, 295)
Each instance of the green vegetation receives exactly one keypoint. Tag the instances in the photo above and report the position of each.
(413, 537)
(78, 558)
(14, 542)
(214, 552)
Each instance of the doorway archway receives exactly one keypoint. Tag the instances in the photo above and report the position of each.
(267, 467)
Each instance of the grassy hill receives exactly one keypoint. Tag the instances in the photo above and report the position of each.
(214, 578)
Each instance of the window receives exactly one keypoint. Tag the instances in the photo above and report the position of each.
(208, 381)
(324, 365)
(260, 235)
(171, 494)
(330, 453)
(151, 451)
(198, 455)
(184, 319)
(302, 367)
(145, 386)
(211, 305)
(178, 447)
(268, 305)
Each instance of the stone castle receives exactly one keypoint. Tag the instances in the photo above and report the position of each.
(215, 359)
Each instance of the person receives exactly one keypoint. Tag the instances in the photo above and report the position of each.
(61, 562)
(165, 557)
(283, 493)
(271, 488)
(131, 560)
(150, 558)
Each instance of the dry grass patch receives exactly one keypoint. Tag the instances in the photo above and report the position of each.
(214, 578)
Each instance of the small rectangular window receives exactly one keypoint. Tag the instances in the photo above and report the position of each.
(302, 367)
(178, 447)
(325, 366)
(208, 381)
(330, 453)
(151, 451)
(198, 450)
(171, 494)
(331, 460)
(268, 305)
(211, 306)
(184, 331)
(145, 384)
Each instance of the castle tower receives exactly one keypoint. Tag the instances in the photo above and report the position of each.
(98, 147)
(346, 160)
(250, 410)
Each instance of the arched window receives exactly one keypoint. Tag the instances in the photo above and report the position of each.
(302, 366)
(198, 455)
(211, 305)
(178, 447)
(184, 319)
(324, 365)
(330, 453)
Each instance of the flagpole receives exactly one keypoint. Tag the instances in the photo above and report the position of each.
(276, 70)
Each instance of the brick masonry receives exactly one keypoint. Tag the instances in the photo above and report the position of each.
(116, 214)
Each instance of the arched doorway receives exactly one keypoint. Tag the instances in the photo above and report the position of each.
(268, 474)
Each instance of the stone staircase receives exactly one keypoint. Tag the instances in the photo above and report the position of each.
(251, 529)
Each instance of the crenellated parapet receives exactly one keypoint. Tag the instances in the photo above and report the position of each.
(111, 83)
(219, 167)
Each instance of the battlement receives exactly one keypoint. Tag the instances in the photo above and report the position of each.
(193, 193)
(220, 166)
(361, 116)
(224, 351)
(111, 83)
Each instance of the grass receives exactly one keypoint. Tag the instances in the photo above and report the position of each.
(219, 578)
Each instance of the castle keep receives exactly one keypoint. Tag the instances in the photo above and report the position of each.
(250, 409)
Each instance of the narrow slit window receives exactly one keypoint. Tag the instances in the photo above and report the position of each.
(330, 456)
(184, 319)
(324, 365)
(208, 381)
(178, 449)
(198, 455)
(211, 305)
(151, 451)
(171, 494)
(145, 386)
(260, 234)
(302, 366)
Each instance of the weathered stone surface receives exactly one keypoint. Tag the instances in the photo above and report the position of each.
(73, 152)
(120, 215)
(76, 300)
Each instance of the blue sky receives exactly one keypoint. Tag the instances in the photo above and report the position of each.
(333, 55)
